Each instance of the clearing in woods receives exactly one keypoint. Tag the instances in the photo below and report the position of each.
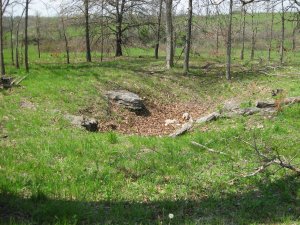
(54, 172)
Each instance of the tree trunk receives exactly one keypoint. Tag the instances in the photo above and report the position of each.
(2, 65)
(294, 39)
(158, 29)
(119, 31)
(282, 32)
(243, 33)
(21, 60)
(26, 36)
(11, 40)
(38, 35)
(87, 31)
(119, 51)
(66, 40)
(188, 39)
(228, 52)
(169, 34)
(254, 30)
(17, 49)
(218, 32)
(102, 30)
(39, 48)
(271, 35)
(217, 41)
(295, 29)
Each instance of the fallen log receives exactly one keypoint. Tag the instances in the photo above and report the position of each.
(263, 107)
(185, 127)
(272, 104)
(18, 81)
(208, 118)
(241, 112)
(291, 100)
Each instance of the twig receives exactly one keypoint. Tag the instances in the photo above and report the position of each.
(208, 149)
(269, 160)
(259, 169)
(15, 82)
(180, 56)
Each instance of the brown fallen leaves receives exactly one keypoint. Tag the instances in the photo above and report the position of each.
(151, 122)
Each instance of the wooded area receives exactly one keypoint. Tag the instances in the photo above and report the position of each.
(149, 111)
(115, 25)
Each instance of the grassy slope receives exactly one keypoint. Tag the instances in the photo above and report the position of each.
(54, 173)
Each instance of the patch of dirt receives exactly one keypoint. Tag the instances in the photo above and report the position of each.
(151, 122)
(25, 104)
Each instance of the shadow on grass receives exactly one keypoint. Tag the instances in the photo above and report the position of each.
(269, 203)
(137, 65)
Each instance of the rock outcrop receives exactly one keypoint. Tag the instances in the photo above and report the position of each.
(128, 99)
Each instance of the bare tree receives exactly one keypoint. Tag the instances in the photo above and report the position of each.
(3, 6)
(102, 29)
(254, 32)
(243, 31)
(228, 51)
(169, 34)
(64, 31)
(38, 33)
(26, 35)
(282, 32)
(188, 38)
(296, 25)
(125, 14)
(271, 34)
(87, 31)
(17, 39)
(11, 30)
(158, 28)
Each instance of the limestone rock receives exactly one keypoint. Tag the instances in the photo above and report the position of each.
(90, 124)
(128, 99)
(231, 105)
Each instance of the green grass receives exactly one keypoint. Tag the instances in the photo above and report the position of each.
(54, 173)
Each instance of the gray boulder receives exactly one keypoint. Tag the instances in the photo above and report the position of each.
(231, 105)
(128, 99)
(90, 124)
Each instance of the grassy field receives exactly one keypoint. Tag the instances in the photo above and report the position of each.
(54, 173)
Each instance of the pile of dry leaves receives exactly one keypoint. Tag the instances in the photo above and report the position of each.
(151, 121)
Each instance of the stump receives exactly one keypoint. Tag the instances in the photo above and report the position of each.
(6, 82)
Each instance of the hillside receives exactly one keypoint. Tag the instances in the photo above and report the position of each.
(55, 173)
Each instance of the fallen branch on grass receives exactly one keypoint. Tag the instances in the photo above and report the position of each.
(8, 82)
(272, 104)
(270, 160)
(207, 148)
(185, 127)
(277, 161)
(261, 107)
(18, 81)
